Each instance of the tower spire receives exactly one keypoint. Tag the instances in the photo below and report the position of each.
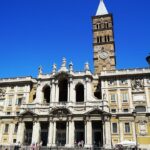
(102, 10)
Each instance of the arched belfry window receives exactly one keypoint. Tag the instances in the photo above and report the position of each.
(79, 92)
(46, 93)
(63, 90)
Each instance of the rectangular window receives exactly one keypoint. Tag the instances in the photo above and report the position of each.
(125, 110)
(19, 100)
(16, 128)
(114, 128)
(124, 97)
(8, 113)
(113, 110)
(127, 128)
(6, 128)
(10, 98)
(113, 97)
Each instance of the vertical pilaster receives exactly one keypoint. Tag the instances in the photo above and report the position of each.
(121, 131)
(130, 96)
(1, 132)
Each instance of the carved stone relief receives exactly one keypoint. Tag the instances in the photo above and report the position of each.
(2, 93)
(142, 128)
(138, 85)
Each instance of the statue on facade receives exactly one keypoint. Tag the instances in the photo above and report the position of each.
(40, 70)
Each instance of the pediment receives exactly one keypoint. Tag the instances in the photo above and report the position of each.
(95, 111)
(60, 111)
(28, 113)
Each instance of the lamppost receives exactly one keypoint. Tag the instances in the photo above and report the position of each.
(134, 113)
(148, 59)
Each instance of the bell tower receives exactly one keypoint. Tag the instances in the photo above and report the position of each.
(103, 40)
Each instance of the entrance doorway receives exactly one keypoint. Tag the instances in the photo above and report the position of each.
(44, 133)
(28, 133)
(97, 134)
(79, 131)
(61, 133)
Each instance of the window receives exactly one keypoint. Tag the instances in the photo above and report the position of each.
(16, 128)
(8, 113)
(79, 92)
(125, 110)
(47, 92)
(10, 98)
(113, 110)
(113, 97)
(63, 90)
(114, 128)
(6, 128)
(123, 81)
(127, 128)
(14, 140)
(140, 109)
(124, 97)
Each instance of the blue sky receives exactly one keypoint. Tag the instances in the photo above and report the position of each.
(41, 32)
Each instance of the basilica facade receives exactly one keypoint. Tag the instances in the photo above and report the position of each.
(65, 107)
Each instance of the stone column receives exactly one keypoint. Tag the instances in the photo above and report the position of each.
(1, 132)
(20, 133)
(88, 134)
(72, 91)
(107, 134)
(68, 96)
(85, 134)
(54, 134)
(53, 91)
(67, 133)
(56, 92)
(50, 134)
(36, 132)
(70, 134)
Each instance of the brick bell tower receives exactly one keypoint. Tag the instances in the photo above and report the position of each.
(103, 40)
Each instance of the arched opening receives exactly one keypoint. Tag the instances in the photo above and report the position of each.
(46, 92)
(63, 90)
(79, 93)
(140, 109)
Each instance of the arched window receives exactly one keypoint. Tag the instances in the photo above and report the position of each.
(63, 90)
(79, 92)
(46, 93)
(140, 109)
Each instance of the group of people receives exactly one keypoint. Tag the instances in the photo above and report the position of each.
(36, 146)
(33, 146)
(79, 144)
